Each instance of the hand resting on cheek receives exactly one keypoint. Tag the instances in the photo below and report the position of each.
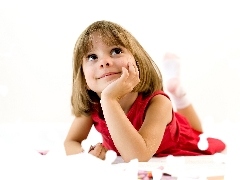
(123, 85)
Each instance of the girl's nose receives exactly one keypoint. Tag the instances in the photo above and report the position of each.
(106, 62)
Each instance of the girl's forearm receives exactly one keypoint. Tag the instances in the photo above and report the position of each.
(126, 138)
(72, 147)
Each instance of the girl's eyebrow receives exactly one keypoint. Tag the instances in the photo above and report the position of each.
(117, 46)
(90, 51)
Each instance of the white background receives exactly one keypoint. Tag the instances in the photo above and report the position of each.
(37, 40)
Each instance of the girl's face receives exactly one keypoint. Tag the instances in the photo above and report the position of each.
(103, 64)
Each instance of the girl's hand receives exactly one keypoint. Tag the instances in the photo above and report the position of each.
(125, 84)
(98, 150)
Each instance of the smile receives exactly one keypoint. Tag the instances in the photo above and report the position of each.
(107, 74)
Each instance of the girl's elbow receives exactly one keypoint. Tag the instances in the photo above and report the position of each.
(144, 159)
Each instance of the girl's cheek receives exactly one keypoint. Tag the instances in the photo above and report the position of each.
(123, 63)
(130, 60)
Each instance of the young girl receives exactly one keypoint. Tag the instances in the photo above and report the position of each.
(118, 88)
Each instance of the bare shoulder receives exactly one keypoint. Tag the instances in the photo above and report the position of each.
(161, 106)
(82, 122)
(80, 128)
(161, 98)
(83, 118)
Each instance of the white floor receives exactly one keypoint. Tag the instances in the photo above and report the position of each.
(25, 139)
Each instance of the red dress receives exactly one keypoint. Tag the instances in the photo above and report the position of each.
(179, 138)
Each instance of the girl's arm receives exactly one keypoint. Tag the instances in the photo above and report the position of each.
(131, 143)
(79, 131)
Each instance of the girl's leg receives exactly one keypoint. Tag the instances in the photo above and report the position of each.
(172, 85)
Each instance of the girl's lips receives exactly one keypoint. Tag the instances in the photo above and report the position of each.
(107, 74)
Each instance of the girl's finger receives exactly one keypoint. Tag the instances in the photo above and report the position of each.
(135, 73)
(125, 74)
(98, 151)
(102, 154)
(137, 70)
(91, 148)
(133, 69)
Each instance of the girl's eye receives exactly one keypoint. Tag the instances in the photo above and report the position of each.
(116, 51)
(91, 57)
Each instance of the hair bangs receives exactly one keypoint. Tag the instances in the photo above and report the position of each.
(109, 34)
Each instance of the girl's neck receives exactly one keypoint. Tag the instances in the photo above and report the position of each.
(127, 101)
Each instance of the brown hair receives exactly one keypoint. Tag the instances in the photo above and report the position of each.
(112, 34)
